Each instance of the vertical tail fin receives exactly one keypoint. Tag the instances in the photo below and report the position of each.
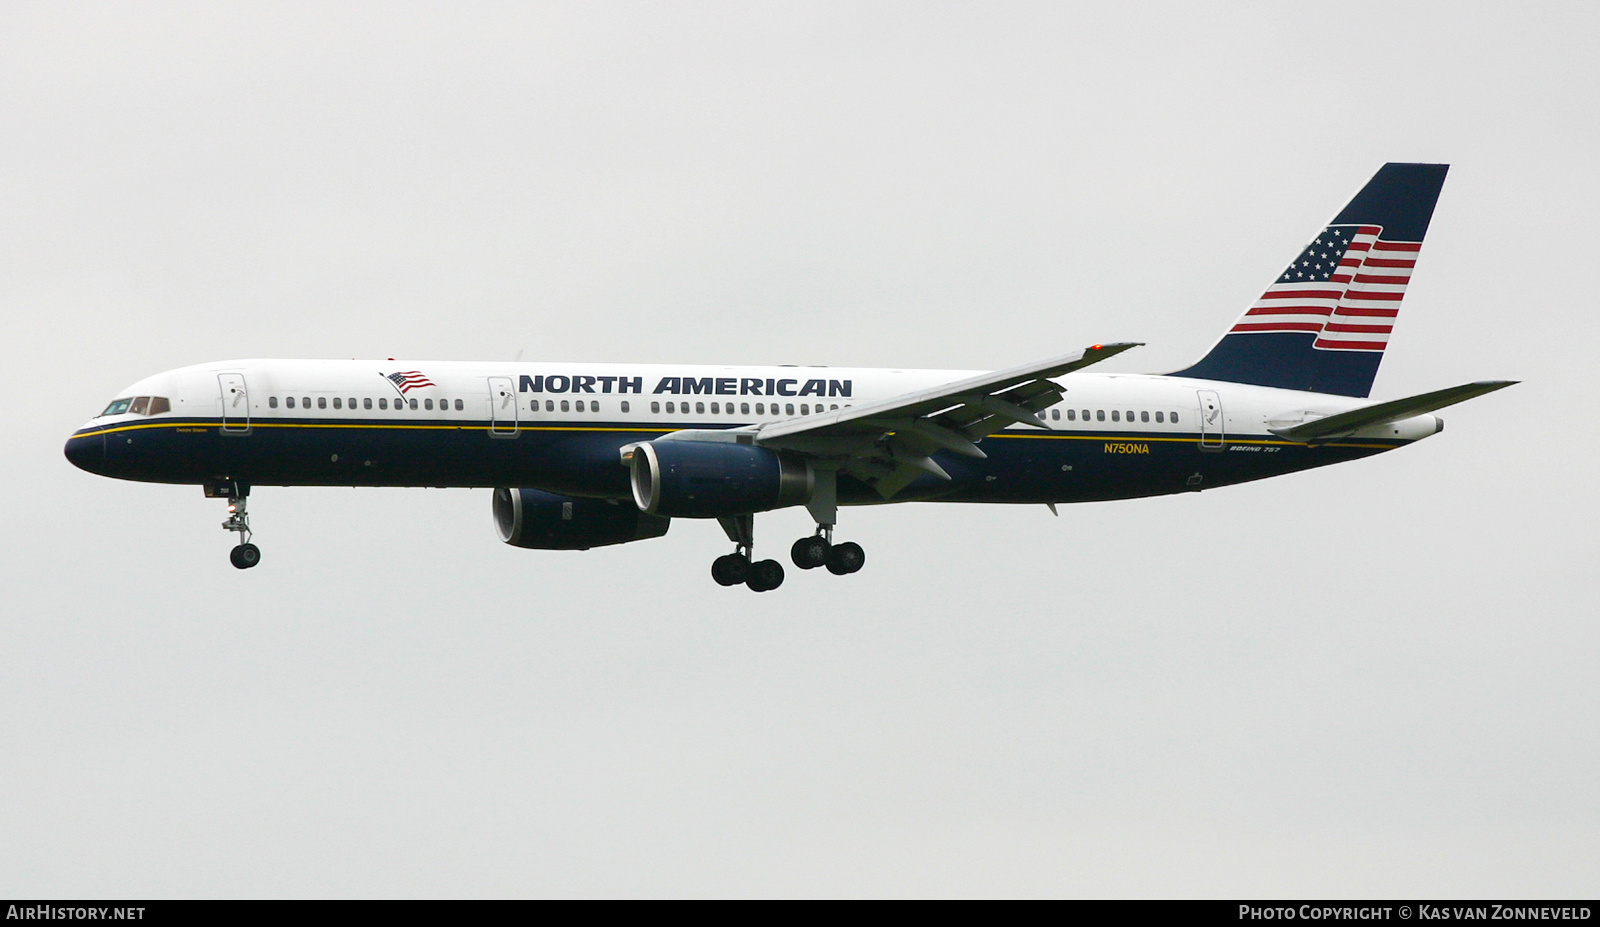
(1323, 323)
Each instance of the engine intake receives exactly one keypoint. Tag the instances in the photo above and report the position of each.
(538, 520)
(712, 479)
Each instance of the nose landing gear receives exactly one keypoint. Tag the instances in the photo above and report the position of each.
(245, 554)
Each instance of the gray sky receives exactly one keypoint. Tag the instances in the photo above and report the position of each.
(1378, 678)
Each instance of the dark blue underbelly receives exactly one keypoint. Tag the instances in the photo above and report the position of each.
(582, 459)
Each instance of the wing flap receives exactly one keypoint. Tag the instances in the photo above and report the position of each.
(883, 415)
(889, 443)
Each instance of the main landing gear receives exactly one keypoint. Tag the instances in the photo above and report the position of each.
(735, 568)
(245, 554)
(819, 550)
(765, 575)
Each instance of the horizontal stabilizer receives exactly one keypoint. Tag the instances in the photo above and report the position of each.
(1344, 423)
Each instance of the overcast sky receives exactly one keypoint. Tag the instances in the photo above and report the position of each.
(1373, 679)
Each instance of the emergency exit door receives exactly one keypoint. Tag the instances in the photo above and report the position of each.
(1211, 420)
(502, 407)
(235, 403)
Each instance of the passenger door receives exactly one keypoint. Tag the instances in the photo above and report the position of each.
(235, 403)
(502, 407)
(1211, 421)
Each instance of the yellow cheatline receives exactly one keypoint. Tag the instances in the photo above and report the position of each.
(176, 425)
(403, 427)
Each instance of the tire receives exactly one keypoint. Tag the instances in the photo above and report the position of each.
(765, 576)
(730, 569)
(245, 556)
(810, 553)
(846, 558)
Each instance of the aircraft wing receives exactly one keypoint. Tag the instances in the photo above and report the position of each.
(1344, 423)
(889, 443)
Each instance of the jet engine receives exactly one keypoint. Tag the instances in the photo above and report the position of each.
(712, 479)
(539, 520)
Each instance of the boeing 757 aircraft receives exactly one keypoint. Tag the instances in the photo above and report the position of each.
(586, 455)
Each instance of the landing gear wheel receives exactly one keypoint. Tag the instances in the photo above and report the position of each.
(846, 558)
(765, 575)
(245, 556)
(810, 553)
(730, 569)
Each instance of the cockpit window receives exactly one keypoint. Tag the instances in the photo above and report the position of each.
(139, 405)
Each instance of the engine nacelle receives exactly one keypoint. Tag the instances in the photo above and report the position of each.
(711, 479)
(541, 520)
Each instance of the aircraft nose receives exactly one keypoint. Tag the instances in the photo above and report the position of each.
(87, 452)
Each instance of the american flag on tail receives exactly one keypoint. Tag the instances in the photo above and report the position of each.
(407, 380)
(1346, 287)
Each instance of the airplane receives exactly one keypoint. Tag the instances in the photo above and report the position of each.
(589, 455)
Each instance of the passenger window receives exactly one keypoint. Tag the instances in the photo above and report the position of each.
(594, 405)
(788, 408)
(1099, 415)
(533, 406)
(655, 407)
(338, 403)
(1160, 417)
(699, 408)
(1130, 415)
(1173, 416)
(305, 402)
(117, 407)
(716, 409)
(382, 403)
(322, 402)
(413, 405)
(744, 408)
(1116, 416)
(805, 409)
(272, 402)
(1144, 416)
(579, 405)
(624, 405)
(366, 403)
(671, 408)
(761, 408)
(549, 405)
(289, 401)
(458, 405)
(834, 407)
(140, 404)
(427, 404)
(565, 407)
(1072, 415)
(352, 402)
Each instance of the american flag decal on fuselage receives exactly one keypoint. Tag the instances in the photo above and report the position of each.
(1345, 287)
(407, 380)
